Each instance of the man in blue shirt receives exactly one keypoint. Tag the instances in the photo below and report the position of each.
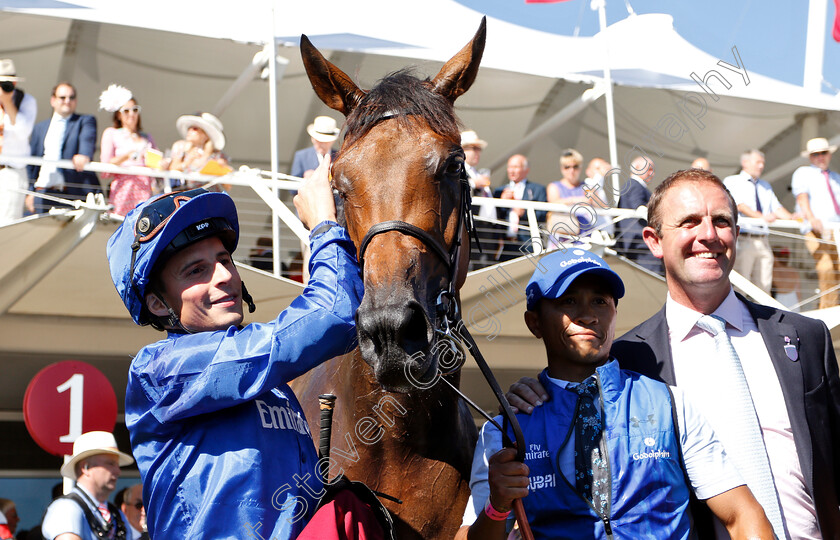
(648, 448)
(220, 439)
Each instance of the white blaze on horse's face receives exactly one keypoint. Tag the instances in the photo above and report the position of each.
(399, 175)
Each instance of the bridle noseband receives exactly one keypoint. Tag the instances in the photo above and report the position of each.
(446, 307)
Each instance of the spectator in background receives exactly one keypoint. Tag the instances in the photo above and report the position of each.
(85, 512)
(125, 144)
(817, 192)
(635, 193)
(8, 519)
(786, 287)
(323, 131)
(17, 117)
(701, 163)
(65, 135)
(595, 182)
(203, 142)
(569, 191)
(755, 198)
(480, 183)
(130, 501)
(519, 188)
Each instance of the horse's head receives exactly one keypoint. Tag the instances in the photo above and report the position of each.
(399, 174)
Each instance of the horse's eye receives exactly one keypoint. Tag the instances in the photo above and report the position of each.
(453, 167)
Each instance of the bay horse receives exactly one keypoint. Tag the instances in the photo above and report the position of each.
(400, 176)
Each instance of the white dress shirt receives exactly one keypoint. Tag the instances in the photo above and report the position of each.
(689, 347)
(16, 136)
(811, 180)
(513, 218)
(743, 189)
(49, 176)
(484, 210)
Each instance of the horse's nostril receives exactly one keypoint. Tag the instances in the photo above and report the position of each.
(413, 333)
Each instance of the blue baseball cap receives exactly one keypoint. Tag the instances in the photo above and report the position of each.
(559, 269)
(158, 228)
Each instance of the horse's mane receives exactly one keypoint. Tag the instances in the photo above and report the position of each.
(403, 94)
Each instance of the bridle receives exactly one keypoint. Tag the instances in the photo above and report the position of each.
(446, 307)
(449, 326)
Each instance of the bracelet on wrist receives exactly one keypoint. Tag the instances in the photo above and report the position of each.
(494, 514)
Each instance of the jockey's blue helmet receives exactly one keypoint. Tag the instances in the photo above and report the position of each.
(158, 228)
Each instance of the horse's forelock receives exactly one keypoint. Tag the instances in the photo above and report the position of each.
(403, 95)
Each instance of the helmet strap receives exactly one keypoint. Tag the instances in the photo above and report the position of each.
(173, 321)
(246, 296)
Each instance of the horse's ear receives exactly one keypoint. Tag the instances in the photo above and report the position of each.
(458, 74)
(331, 84)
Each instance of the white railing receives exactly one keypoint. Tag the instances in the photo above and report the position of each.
(258, 194)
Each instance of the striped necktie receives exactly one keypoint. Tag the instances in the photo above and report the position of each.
(106, 514)
(731, 412)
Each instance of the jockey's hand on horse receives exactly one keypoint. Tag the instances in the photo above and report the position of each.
(314, 200)
(525, 394)
(508, 479)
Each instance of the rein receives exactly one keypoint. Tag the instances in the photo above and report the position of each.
(449, 324)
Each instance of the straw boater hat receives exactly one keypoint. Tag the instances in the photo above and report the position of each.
(323, 129)
(211, 125)
(820, 144)
(7, 70)
(470, 138)
(93, 443)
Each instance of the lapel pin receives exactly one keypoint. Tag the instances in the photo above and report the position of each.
(790, 350)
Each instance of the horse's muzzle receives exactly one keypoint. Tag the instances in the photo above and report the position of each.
(394, 340)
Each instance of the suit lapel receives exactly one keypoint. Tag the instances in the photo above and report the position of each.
(776, 334)
(655, 332)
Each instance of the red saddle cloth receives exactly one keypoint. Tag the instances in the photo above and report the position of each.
(345, 517)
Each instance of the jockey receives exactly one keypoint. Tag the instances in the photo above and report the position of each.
(221, 441)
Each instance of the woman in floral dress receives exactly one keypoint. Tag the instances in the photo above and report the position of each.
(125, 144)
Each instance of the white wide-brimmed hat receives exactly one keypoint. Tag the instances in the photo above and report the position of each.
(211, 125)
(820, 144)
(7, 70)
(323, 129)
(93, 443)
(470, 138)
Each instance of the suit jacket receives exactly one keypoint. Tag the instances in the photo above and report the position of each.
(533, 192)
(79, 138)
(810, 386)
(305, 160)
(629, 241)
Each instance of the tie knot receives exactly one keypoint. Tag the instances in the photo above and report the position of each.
(589, 388)
(712, 324)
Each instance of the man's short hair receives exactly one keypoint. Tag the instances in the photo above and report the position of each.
(695, 176)
(119, 498)
(63, 83)
(749, 153)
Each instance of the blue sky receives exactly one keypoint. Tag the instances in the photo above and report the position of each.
(769, 34)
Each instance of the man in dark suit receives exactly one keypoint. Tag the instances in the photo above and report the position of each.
(787, 359)
(634, 194)
(323, 131)
(517, 236)
(66, 135)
